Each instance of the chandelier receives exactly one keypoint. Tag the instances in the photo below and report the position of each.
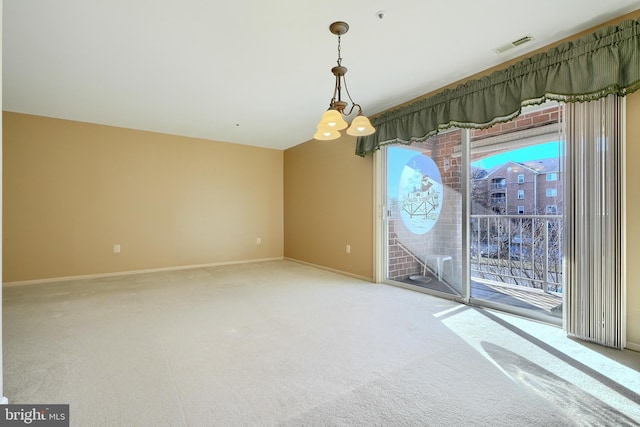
(332, 121)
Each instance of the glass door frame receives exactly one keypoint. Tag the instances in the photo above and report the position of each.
(381, 224)
(381, 236)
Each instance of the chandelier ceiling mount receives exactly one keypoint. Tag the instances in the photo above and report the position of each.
(332, 121)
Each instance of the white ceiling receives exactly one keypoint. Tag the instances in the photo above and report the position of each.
(258, 72)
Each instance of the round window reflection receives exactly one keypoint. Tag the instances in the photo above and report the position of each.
(420, 194)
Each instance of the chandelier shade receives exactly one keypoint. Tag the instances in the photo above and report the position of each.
(361, 126)
(333, 120)
(326, 135)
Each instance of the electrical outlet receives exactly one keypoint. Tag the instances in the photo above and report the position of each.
(348, 249)
(116, 249)
(258, 241)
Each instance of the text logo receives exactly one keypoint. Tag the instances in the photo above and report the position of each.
(34, 415)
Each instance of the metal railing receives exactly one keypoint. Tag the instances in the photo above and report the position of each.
(520, 250)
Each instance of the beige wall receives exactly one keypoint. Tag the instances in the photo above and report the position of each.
(72, 190)
(328, 205)
(633, 225)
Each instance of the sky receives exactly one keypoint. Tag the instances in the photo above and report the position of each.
(535, 152)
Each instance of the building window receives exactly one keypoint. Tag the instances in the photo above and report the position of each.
(551, 209)
(552, 192)
(520, 194)
(498, 183)
(520, 178)
(520, 210)
(498, 198)
(552, 176)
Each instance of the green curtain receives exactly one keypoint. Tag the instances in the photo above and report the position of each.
(594, 66)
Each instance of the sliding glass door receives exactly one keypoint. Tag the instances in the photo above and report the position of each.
(481, 224)
(516, 225)
(423, 215)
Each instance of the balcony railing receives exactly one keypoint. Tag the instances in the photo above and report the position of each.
(520, 250)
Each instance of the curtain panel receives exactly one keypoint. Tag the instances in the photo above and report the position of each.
(599, 64)
(593, 218)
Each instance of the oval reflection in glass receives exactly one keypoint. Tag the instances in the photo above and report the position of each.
(420, 194)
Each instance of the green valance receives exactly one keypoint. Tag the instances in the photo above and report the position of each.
(591, 67)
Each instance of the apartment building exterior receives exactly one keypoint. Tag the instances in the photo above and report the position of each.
(519, 188)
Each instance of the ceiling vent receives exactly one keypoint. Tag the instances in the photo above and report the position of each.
(515, 43)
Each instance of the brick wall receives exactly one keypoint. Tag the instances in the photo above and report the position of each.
(402, 263)
(526, 121)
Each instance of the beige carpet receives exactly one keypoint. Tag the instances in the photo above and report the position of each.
(279, 343)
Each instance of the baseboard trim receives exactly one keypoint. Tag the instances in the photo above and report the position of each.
(126, 273)
(333, 270)
(632, 346)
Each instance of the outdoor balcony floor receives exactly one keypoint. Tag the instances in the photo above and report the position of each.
(521, 297)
